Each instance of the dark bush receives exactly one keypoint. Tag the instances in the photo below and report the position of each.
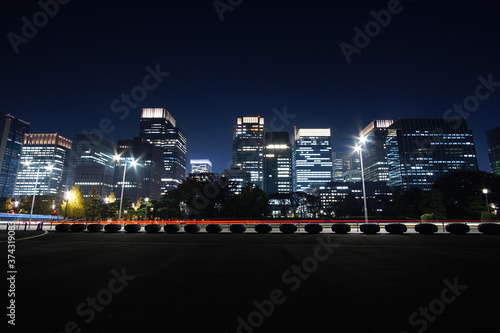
(112, 227)
(396, 228)
(132, 228)
(63, 227)
(191, 228)
(426, 228)
(213, 228)
(489, 228)
(78, 227)
(152, 228)
(369, 228)
(263, 228)
(94, 227)
(341, 228)
(237, 228)
(172, 228)
(313, 228)
(288, 228)
(457, 228)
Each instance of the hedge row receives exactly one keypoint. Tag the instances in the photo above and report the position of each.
(286, 228)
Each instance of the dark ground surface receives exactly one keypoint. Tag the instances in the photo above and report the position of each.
(204, 282)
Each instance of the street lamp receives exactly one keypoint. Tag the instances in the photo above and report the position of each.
(359, 149)
(485, 191)
(146, 210)
(68, 196)
(132, 163)
(48, 167)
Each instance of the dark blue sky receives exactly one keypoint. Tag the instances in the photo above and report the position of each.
(265, 54)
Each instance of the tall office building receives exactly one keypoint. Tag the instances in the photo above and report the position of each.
(159, 128)
(277, 165)
(493, 139)
(344, 162)
(374, 150)
(141, 180)
(312, 158)
(201, 166)
(43, 159)
(12, 132)
(237, 178)
(420, 151)
(248, 146)
(91, 164)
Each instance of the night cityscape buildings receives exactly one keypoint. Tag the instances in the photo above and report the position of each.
(12, 132)
(374, 150)
(200, 166)
(312, 158)
(493, 140)
(91, 164)
(248, 146)
(277, 163)
(158, 127)
(138, 169)
(43, 164)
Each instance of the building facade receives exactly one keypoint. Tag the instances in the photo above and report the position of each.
(420, 151)
(91, 164)
(44, 159)
(277, 163)
(493, 139)
(312, 159)
(374, 151)
(344, 162)
(201, 166)
(12, 132)
(142, 164)
(248, 147)
(158, 127)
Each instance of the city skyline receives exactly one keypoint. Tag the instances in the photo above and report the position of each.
(273, 59)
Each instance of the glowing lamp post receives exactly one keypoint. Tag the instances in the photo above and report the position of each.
(359, 149)
(133, 163)
(485, 191)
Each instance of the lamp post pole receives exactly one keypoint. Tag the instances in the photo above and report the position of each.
(123, 188)
(365, 208)
(485, 191)
(34, 194)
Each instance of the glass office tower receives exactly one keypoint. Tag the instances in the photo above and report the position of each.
(159, 128)
(12, 132)
(248, 147)
(43, 161)
(493, 139)
(201, 166)
(91, 164)
(374, 150)
(420, 151)
(277, 177)
(312, 159)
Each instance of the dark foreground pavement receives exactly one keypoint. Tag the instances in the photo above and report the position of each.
(81, 282)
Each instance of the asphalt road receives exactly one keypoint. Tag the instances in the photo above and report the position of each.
(82, 282)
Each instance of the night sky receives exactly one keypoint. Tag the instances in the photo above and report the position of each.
(264, 55)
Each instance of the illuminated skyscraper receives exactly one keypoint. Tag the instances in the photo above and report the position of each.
(144, 179)
(43, 159)
(312, 158)
(493, 139)
(12, 132)
(159, 128)
(91, 164)
(374, 151)
(277, 163)
(248, 147)
(201, 166)
(420, 151)
(344, 162)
